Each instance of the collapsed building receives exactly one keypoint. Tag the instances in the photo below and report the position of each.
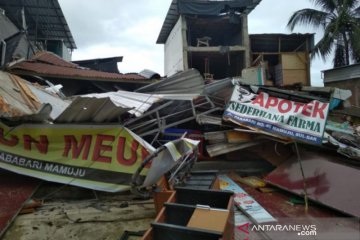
(212, 37)
(231, 140)
(209, 36)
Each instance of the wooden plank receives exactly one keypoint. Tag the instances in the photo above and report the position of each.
(294, 76)
(223, 148)
(239, 137)
(209, 219)
(294, 61)
(215, 49)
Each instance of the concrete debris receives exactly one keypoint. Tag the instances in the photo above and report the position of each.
(170, 132)
(232, 143)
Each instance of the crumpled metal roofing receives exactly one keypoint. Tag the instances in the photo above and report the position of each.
(46, 64)
(89, 109)
(57, 104)
(110, 106)
(189, 81)
(15, 98)
(147, 73)
(19, 99)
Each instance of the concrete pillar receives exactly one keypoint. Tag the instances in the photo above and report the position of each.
(246, 41)
(185, 43)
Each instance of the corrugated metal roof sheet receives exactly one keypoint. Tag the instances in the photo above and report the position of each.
(138, 102)
(342, 73)
(15, 98)
(173, 14)
(19, 99)
(189, 81)
(149, 74)
(45, 19)
(278, 42)
(109, 64)
(219, 91)
(109, 107)
(57, 105)
(88, 109)
(46, 64)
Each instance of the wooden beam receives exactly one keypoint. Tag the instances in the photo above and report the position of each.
(215, 49)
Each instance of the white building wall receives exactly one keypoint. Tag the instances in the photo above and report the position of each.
(174, 55)
(7, 28)
(66, 53)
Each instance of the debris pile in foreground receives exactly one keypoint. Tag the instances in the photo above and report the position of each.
(280, 155)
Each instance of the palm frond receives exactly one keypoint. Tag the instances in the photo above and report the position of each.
(325, 5)
(340, 20)
(308, 16)
(324, 47)
(350, 4)
(357, 12)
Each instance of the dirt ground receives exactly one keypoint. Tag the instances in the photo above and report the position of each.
(78, 214)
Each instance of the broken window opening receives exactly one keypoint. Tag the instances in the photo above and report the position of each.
(213, 31)
(217, 65)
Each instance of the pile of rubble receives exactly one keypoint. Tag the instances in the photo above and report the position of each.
(290, 138)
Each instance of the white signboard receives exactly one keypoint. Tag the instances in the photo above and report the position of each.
(300, 121)
(245, 202)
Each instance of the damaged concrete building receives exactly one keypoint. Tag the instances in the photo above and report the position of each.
(203, 153)
(27, 27)
(212, 37)
(36, 43)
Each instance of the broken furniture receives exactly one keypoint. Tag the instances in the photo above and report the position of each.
(203, 41)
(194, 214)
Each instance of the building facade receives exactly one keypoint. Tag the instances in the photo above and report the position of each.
(211, 36)
(33, 25)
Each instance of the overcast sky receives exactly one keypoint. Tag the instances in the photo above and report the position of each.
(107, 28)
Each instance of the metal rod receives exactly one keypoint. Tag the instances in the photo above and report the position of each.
(304, 179)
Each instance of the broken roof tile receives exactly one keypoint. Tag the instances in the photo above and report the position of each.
(47, 64)
(53, 59)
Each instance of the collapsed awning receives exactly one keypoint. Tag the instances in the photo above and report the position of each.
(21, 100)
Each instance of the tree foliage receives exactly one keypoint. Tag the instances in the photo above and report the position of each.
(340, 21)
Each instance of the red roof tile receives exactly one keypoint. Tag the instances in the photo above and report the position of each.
(50, 65)
(53, 59)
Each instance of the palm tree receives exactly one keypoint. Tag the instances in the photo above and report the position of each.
(340, 21)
